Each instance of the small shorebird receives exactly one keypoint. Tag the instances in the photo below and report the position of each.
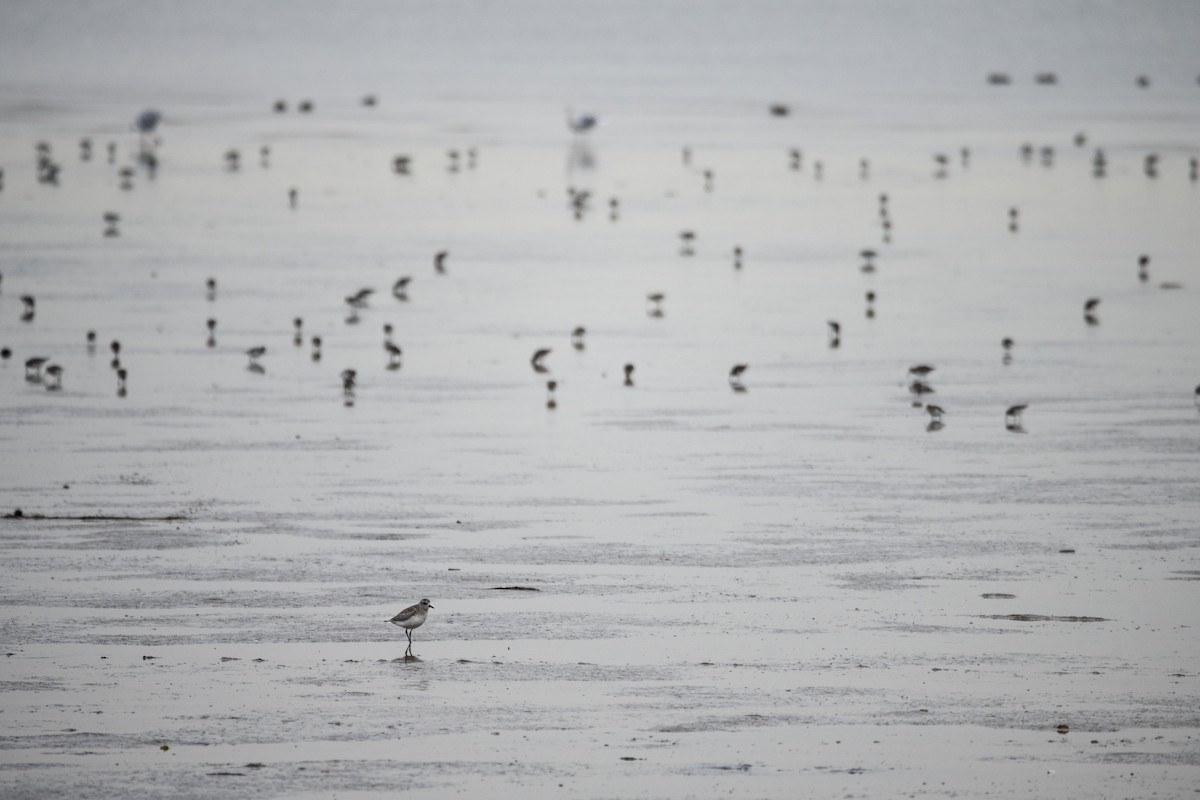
(536, 361)
(91, 342)
(735, 376)
(656, 300)
(411, 618)
(116, 351)
(33, 368)
(210, 286)
(401, 164)
(400, 287)
(439, 261)
(111, 218)
(298, 336)
(293, 197)
(870, 304)
(935, 412)
(835, 333)
(54, 372)
(921, 371)
(316, 348)
(1144, 268)
(212, 332)
(233, 160)
(255, 353)
(688, 238)
(1012, 417)
(629, 374)
(30, 306)
(577, 337)
(868, 257)
(737, 257)
(1007, 343)
(121, 375)
(394, 352)
(1089, 311)
(551, 402)
(349, 381)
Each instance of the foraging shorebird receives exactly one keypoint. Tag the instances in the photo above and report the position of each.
(401, 164)
(1143, 268)
(298, 336)
(121, 375)
(629, 374)
(919, 389)
(264, 156)
(212, 331)
(735, 376)
(921, 371)
(577, 337)
(91, 342)
(316, 348)
(656, 300)
(210, 286)
(1012, 417)
(439, 261)
(394, 353)
(30, 305)
(349, 381)
(400, 287)
(1007, 343)
(1013, 214)
(870, 304)
(54, 372)
(293, 196)
(688, 239)
(1089, 311)
(868, 257)
(835, 333)
(233, 160)
(536, 361)
(33, 368)
(551, 402)
(411, 618)
(737, 257)
(111, 218)
(254, 354)
(116, 351)
(935, 412)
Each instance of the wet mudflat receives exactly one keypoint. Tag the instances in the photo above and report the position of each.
(798, 582)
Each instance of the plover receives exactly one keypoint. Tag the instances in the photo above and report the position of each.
(411, 618)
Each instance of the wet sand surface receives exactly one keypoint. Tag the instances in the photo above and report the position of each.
(670, 589)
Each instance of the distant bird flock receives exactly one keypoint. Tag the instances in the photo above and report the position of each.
(42, 370)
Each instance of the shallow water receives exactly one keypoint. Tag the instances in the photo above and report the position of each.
(797, 587)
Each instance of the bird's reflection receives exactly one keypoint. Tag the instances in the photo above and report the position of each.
(580, 156)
